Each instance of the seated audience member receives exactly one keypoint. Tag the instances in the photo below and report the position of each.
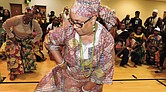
(136, 51)
(150, 56)
(120, 46)
(155, 40)
(141, 39)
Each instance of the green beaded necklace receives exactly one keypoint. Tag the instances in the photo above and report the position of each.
(87, 63)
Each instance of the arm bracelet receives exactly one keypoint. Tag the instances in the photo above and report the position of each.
(54, 48)
(61, 63)
(84, 89)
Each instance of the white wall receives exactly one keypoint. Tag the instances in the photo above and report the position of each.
(122, 7)
(56, 5)
(6, 3)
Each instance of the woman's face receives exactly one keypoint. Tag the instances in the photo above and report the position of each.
(29, 17)
(164, 15)
(83, 25)
(139, 30)
(132, 35)
(6, 13)
(154, 14)
(153, 49)
(156, 32)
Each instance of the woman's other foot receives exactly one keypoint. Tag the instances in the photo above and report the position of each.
(13, 77)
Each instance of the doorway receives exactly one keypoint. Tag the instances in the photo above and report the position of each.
(16, 9)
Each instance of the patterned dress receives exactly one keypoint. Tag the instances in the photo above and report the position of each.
(20, 56)
(19, 49)
(73, 78)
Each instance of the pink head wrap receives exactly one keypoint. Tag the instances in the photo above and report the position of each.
(90, 8)
(86, 8)
(108, 17)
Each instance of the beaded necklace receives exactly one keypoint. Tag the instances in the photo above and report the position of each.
(87, 63)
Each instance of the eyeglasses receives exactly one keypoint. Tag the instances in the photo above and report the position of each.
(79, 25)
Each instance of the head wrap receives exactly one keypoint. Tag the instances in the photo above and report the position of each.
(90, 8)
(32, 9)
(157, 29)
(86, 8)
(108, 17)
(155, 10)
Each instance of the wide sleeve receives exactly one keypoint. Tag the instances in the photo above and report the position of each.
(56, 37)
(38, 31)
(104, 71)
(9, 23)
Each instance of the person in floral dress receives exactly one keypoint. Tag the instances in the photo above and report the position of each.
(19, 43)
(87, 61)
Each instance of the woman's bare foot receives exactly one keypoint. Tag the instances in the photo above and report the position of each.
(13, 77)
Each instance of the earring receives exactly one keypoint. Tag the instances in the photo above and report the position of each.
(94, 29)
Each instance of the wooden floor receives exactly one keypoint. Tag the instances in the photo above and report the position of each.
(140, 79)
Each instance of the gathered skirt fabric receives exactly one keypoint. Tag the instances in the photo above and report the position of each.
(20, 57)
(63, 80)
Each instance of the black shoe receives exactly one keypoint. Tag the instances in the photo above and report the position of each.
(159, 71)
(123, 66)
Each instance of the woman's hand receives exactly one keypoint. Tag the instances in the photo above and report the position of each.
(83, 90)
(88, 86)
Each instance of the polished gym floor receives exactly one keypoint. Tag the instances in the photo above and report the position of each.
(130, 79)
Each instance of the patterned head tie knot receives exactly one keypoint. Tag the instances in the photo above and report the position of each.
(31, 10)
(90, 8)
(86, 8)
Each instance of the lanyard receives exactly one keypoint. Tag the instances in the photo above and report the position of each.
(89, 62)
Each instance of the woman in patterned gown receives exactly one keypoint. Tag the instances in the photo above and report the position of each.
(87, 61)
(19, 44)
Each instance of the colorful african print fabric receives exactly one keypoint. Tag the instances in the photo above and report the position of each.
(73, 78)
(20, 56)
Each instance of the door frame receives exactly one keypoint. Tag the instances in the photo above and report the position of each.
(12, 13)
